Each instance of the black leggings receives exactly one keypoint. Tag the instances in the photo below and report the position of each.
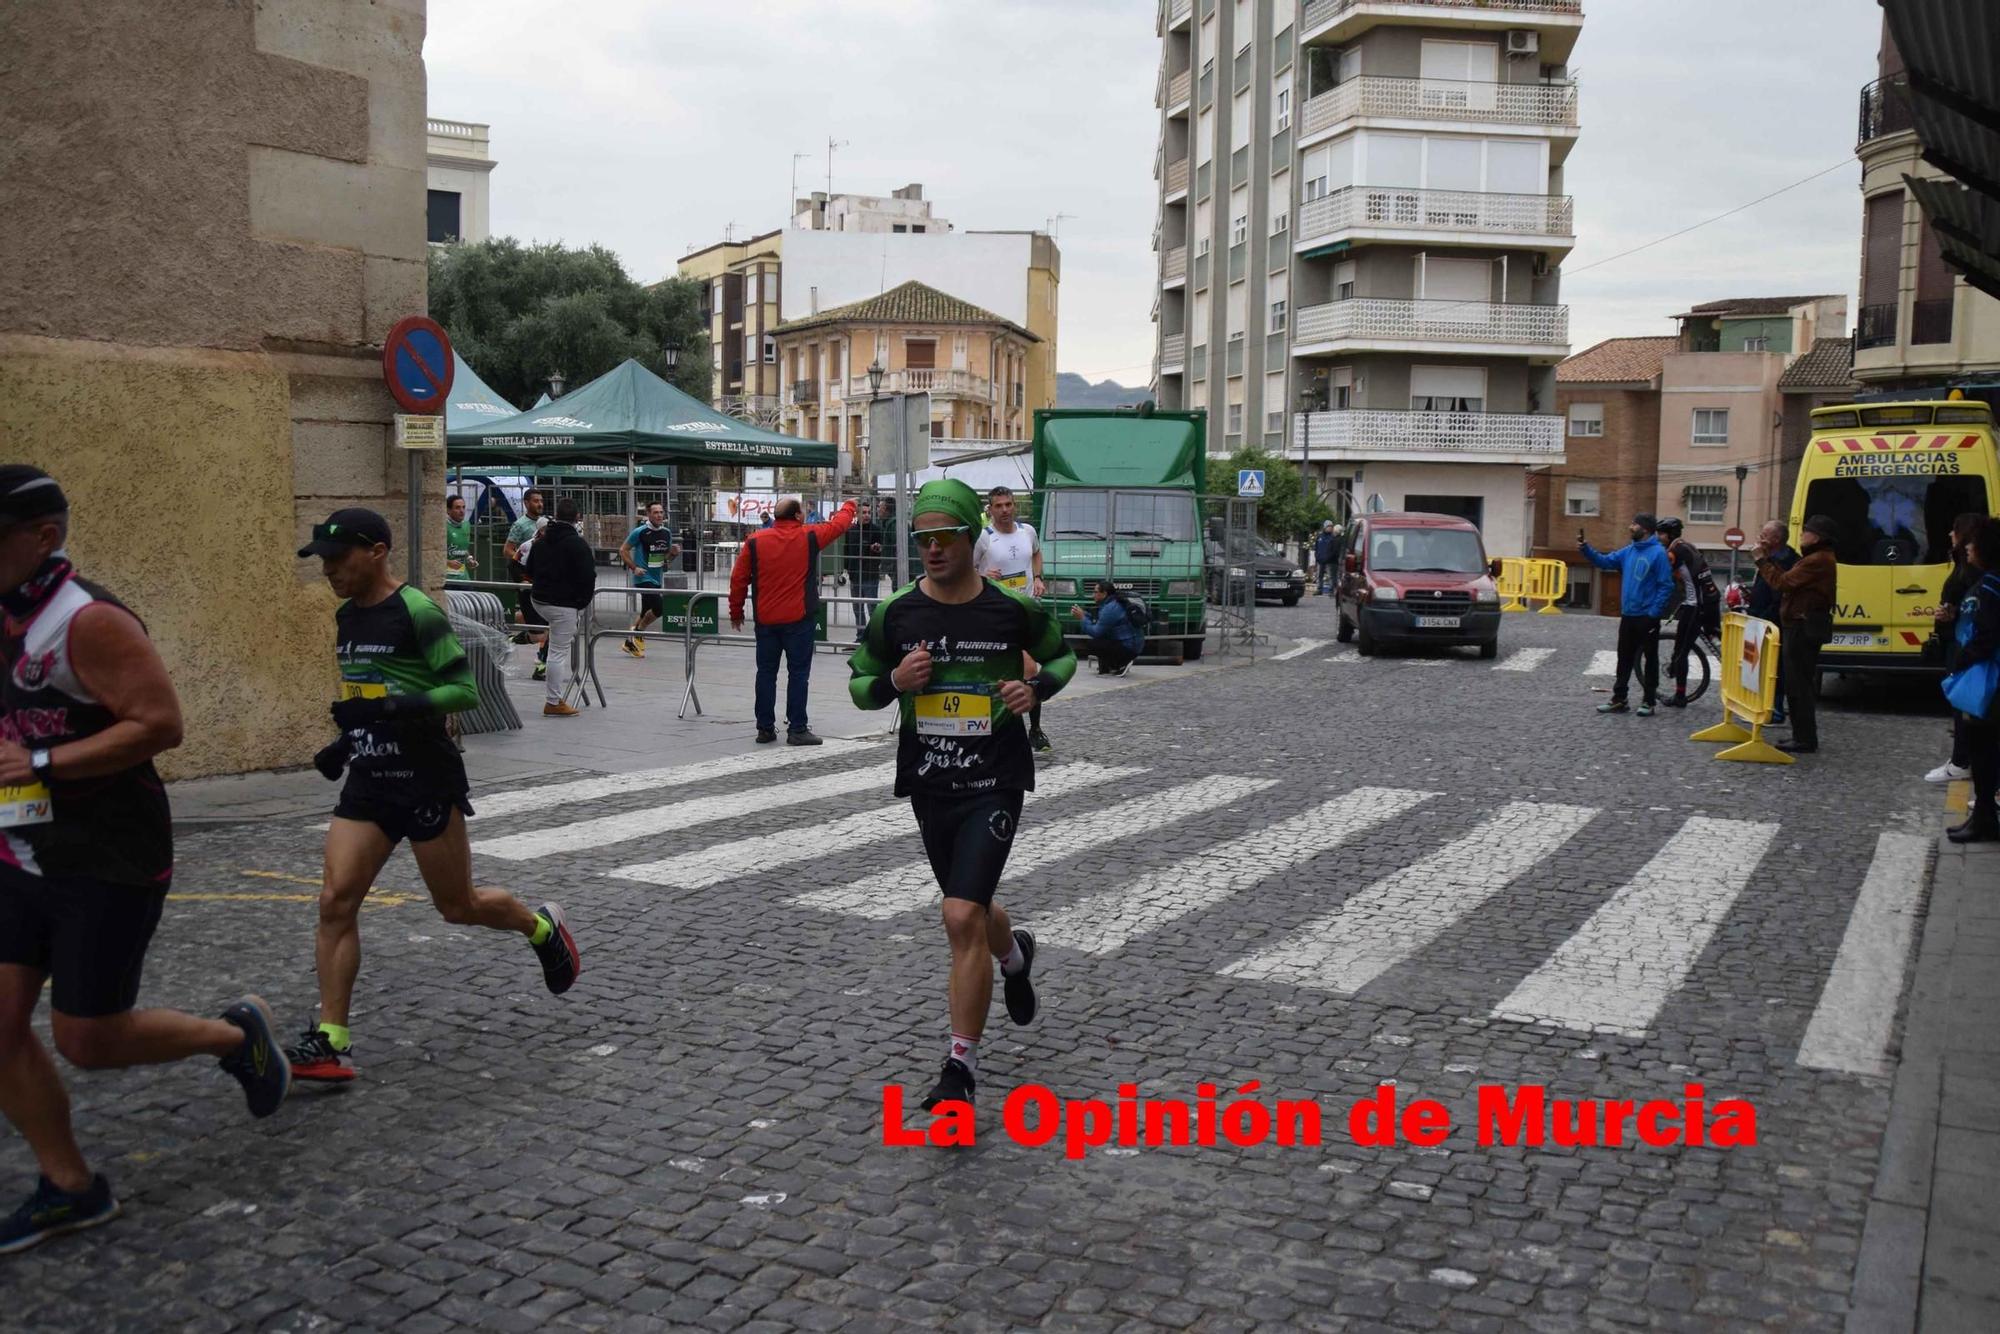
(1687, 625)
(967, 838)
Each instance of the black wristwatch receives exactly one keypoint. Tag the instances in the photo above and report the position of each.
(43, 764)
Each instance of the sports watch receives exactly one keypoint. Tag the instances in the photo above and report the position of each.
(42, 763)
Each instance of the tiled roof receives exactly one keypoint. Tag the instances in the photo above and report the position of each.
(1828, 365)
(1755, 305)
(910, 303)
(1617, 360)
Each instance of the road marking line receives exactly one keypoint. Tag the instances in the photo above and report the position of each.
(1604, 662)
(663, 819)
(1305, 646)
(515, 800)
(1349, 655)
(375, 899)
(1528, 659)
(744, 856)
(1106, 922)
(1384, 924)
(1850, 1027)
(1619, 967)
(912, 886)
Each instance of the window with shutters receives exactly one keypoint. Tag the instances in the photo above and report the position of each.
(1930, 318)
(1586, 420)
(1447, 389)
(1706, 504)
(1580, 500)
(920, 354)
(1881, 270)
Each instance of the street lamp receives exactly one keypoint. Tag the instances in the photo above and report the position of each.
(670, 357)
(875, 374)
(555, 384)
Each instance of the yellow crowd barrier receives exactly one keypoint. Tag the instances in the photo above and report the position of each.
(1748, 678)
(1522, 581)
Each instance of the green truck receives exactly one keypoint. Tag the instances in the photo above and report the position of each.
(1117, 496)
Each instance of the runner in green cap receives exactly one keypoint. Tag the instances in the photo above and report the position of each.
(947, 650)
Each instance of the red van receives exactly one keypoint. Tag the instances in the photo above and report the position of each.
(1417, 579)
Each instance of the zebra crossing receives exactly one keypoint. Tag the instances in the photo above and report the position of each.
(1599, 662)
(1614, 972)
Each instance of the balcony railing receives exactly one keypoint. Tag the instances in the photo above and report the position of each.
(1173, 350)
(1180, 88)
(958, 384)
(1369, 432)
(1177, 176)
(1885, 108)
(803, 391)
(1876, 326)
(1375, 319)
(1178, 10)
(1173, 268)
(1551, 104)
(1319, 13)
(1367, 206)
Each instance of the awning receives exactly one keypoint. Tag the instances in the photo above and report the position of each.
(1968, 229)
(1951, 49)
(629, 411)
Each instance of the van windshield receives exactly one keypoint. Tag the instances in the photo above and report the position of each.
(1438, 550)
(1895, 520)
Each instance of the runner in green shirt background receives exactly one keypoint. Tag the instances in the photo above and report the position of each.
(458, 561)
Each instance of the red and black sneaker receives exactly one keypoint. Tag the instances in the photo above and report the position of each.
(562, 961)
(314, 1057)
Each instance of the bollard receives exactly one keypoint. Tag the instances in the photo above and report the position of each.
(1747, 677)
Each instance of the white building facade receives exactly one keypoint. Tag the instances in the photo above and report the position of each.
(1361, 227)
(458, 203)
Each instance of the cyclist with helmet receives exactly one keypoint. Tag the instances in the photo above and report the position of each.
(1692, 587)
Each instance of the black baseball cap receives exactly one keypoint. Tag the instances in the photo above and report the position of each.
(29, 493)
(346, 528)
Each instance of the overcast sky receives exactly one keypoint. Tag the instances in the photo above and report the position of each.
(651, 127)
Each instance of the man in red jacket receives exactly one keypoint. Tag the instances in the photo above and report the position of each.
(782, 564)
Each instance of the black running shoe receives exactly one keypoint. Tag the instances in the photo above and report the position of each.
(1019, 990)
(1040, 741)
(52, 1211)
(954, 1085)
(562, 962)
(259, 1064)
(316, 1060)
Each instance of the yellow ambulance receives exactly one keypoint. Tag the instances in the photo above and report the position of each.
(1893, 476)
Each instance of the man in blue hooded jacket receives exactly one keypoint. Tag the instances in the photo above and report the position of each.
(1646, 591)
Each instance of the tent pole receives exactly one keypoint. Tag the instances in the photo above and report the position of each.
(631, 486)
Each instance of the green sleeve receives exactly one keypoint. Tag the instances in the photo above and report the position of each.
(453, 689)
(873, 659)
(1046, 645)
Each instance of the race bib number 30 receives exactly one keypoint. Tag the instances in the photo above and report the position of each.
(25, 805)
(953, 713)
(363, 690)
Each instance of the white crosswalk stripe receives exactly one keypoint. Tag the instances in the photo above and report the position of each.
(912, 886)
(1604, 662)
(1106, 922)
(1525, 660)
(1303, 647)
(1617, 970)
(1384, 924)
(1850, 1027)
(666, 818)
(1346, 655)
(726, 861)
(515, 800)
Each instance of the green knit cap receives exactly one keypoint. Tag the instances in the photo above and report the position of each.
(948, 495)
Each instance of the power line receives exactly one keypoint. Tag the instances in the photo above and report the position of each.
(1804, 180)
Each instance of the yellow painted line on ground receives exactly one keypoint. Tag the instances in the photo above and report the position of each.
(376, 899)
(1958, 797)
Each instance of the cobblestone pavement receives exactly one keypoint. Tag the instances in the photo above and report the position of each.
(1412, 869)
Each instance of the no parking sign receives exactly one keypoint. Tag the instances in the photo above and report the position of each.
(417, 364)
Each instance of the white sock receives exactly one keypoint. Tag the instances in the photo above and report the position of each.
(1014, 961)
(965, 1051)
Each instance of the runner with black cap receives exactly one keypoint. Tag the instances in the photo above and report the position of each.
(948, 650)
(401, 671)
(86, 857)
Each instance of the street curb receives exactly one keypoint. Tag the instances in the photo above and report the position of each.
(1906, 1275)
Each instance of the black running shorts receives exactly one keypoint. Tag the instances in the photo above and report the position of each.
(967, 838)
(401, 811)
(88, 936)
(654, 605)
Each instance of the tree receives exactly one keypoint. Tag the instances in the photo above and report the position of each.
(1287, 509)
(516, 313)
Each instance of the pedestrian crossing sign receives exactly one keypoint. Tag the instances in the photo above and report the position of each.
(1250, 483)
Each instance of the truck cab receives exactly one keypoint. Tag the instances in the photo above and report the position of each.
(1117, 497)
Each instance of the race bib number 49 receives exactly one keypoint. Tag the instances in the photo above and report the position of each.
(953, 713)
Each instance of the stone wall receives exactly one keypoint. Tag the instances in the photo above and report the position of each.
(215, 212)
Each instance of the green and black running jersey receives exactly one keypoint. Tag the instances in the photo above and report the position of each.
(956, 734)
(403, 646)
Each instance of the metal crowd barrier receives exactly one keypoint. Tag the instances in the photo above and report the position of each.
(1747, 644)
(1522, 580)
(486, 611)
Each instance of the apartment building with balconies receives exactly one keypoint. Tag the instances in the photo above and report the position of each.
(1362, 221)
(1920, 326)
(742, 285)
(974, 364)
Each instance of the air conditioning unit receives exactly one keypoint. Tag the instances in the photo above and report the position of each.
(1523, 42)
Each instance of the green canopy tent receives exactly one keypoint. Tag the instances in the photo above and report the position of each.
(472, 400)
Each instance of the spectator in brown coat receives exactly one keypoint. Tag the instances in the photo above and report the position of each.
(1805, 617)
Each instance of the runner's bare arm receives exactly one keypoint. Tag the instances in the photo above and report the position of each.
(118, 665)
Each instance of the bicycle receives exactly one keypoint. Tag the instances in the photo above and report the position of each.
(1705, 649)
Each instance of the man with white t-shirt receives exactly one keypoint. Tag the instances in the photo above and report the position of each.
(1010, 555)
